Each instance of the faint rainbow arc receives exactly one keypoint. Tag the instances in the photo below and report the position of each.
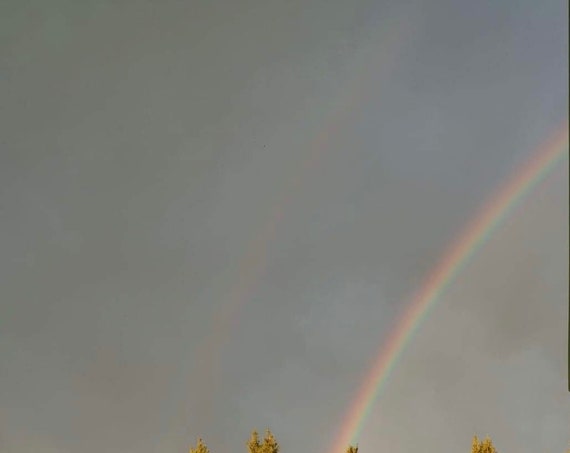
(253, 264)
(457, 256)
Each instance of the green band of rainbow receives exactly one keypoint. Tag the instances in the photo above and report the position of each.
(467, 244)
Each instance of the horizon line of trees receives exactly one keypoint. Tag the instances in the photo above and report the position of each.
(269, 445)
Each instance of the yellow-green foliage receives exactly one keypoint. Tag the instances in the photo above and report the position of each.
(200, 447)
(268, 445)
(484, 446)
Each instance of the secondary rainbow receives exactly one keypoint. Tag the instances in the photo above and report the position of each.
(453, 261)
(250, 270)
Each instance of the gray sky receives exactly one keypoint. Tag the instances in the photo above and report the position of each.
(149, 296)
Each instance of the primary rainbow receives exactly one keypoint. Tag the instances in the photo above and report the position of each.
(473, 237)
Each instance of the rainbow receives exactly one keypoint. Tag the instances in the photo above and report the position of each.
(454, 260)
(251, 268)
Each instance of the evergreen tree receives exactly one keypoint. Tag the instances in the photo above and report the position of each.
(200, 447)
(253, 444)
(484, 446)
(269, 444)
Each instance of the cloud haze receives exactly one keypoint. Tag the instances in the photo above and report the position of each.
(146, 147)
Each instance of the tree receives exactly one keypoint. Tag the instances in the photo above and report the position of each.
(200, 447)
(268, 445)
(484, 446)
(253, 444)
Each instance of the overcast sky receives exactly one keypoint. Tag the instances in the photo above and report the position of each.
(213, 213)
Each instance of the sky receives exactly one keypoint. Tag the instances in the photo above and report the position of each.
(213, 213)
